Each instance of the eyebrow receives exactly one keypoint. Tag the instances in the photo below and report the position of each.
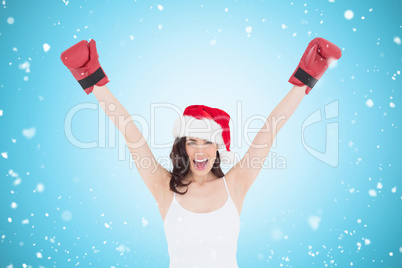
(194, 140)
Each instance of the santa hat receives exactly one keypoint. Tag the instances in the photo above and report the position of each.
(207, 123)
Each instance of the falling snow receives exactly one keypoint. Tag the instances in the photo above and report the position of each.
(46, 47)
(349, 14)
(369, 103)
(29, 133)
(314, 222)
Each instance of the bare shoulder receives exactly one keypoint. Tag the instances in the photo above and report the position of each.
(165, 197)
(242, 176)
(166, 185)
(234, 184)
(236, 189)
(158, 184)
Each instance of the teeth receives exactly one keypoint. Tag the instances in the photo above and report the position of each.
(200, 160)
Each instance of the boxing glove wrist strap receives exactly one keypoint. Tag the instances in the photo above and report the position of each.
(93, 79)
(305, 78)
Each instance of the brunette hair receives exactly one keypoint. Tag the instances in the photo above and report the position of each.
(181, 165)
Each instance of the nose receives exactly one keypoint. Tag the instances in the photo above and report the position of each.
(200, 155)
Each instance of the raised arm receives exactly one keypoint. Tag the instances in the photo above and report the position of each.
(154, 175)
(313, 64)
(82, 60)
(246, 170)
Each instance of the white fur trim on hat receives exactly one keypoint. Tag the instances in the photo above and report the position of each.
(204, 128)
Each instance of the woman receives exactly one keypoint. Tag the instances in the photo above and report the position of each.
(199, 204)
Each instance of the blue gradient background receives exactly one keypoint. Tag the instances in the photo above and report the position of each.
(202, 54)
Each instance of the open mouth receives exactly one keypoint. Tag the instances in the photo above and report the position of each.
(200, 164)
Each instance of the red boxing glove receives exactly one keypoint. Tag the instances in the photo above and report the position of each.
(314, 62)
(82, 60)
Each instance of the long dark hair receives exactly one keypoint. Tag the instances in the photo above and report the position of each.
(181, 165)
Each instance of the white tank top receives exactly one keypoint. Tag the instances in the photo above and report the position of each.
(202, 240)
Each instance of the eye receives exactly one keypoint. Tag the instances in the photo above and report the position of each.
(208, 142)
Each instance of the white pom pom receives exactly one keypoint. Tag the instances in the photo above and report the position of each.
(228, 157)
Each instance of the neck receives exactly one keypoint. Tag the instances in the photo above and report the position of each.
(200, 180)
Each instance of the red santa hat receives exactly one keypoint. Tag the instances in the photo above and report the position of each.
(207, 123)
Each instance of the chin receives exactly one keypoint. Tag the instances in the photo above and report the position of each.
(201, 171)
